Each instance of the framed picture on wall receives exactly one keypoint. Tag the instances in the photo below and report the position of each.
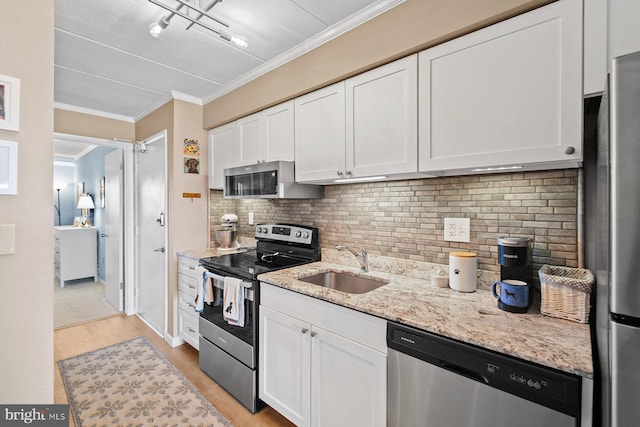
(101, 201)
(9, 103)
(8, 167)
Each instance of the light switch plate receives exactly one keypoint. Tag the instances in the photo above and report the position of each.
(457, 229)
(7, 239)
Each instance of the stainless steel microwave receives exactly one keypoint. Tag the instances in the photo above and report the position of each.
(268, 180)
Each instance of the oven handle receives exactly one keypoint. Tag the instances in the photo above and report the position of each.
(218, 282)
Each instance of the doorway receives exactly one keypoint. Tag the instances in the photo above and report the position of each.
(87, 299)
(151, 199)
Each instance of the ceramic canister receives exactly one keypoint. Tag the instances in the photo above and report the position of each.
(462, 271)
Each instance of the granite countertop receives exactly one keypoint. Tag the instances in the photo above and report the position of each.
(245, 244)
(470, 317)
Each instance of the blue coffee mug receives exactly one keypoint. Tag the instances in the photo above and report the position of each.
(512, 295)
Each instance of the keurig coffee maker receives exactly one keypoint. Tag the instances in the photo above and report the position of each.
(513, 291)
(514, 257)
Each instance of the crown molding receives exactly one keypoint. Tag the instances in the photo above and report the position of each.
(309, 45)
(106, 115)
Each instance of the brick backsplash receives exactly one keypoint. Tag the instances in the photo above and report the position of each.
(405, 219)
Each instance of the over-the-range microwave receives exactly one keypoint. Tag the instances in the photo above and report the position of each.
(268, 180)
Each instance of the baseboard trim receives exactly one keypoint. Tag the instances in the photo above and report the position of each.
(174, 341)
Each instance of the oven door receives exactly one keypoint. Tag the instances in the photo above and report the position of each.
(237, 341)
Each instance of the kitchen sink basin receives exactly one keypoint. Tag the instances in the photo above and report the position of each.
(345, 282)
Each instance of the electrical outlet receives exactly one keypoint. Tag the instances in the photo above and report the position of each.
(250, 218)
(457, 229)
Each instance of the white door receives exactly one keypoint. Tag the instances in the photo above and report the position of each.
(151, 191)
(113, 229)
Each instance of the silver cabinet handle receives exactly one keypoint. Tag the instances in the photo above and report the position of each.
(159, 249)
(313, 334)
(348, 173)
(193, 331)
(161, 220)
(340, 173)
(569, 150)
(305, 330)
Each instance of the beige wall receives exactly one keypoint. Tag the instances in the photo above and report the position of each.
(187, 219)
(74, 123)
(410, 27)
(26, 278)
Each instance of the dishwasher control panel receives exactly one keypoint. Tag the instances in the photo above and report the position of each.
(549, 387)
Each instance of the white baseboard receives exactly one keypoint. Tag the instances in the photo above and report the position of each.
(173, 341)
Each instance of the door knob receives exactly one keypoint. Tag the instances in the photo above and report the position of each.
(159, 249)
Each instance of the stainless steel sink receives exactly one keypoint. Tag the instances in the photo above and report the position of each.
(345, 282)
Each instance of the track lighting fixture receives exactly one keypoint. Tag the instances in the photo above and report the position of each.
(157, 27)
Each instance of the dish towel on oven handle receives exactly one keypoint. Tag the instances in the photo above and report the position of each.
(233, 306)
(204, 290)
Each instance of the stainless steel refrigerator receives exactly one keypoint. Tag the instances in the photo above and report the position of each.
(617, 239)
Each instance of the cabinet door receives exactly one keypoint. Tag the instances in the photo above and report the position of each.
(320, 134)
(509, 94)
(249, 140)
(624, 31)
(284, 361)
(348, 382)
(278, 133)
(382, 120)
(223, 144)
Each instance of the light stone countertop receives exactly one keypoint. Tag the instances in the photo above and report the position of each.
(470, 317)
(245, 243)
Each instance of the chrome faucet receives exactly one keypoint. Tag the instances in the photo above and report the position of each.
(361, 255)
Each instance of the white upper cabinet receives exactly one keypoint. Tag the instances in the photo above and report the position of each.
(624, 27)
(223, 149)
(364, 126)
(267, 135)
(382, 120)
(320, 134)
(595, 46)
(506, 95)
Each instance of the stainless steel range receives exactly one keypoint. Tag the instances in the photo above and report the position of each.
(228, 352)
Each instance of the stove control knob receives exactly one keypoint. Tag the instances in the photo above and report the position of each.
(298, 234)
(305, 235)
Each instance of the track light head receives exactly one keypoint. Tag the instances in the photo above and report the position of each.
(156, 28)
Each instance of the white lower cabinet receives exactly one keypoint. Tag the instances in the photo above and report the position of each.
(188, 328)
(321, 364)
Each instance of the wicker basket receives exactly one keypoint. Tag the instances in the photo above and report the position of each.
(565, 292)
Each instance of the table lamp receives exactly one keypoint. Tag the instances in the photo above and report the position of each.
(85, 203)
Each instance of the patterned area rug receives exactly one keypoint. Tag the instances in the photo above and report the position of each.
(132, 384)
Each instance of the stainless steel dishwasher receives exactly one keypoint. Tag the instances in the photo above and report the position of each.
(439, 382)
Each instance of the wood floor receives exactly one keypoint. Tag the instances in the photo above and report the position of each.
(85, 337)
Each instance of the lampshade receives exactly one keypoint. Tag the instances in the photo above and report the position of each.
(86, 202)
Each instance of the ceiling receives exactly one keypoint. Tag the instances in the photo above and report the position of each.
(107, 63)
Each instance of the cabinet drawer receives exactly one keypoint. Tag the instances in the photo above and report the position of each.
(188, 328)
(187, 303)
(187, 284)
(187, 266)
